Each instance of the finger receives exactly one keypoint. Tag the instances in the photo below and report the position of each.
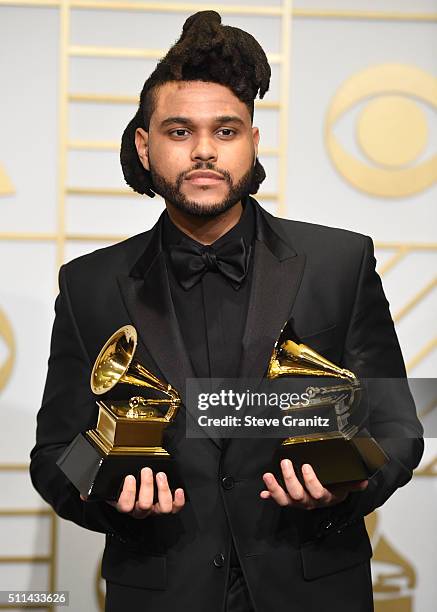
(275, 490)
(179, 500)
(265, 494)
(293, 486)
(317, 491)
(165, 498)
(145, 496)
(126, 501)
(82, 497)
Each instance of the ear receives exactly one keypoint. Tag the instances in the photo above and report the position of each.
(142, 145)
(255, 136)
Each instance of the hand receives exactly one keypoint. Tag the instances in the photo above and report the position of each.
(313, 495)
(144, 506)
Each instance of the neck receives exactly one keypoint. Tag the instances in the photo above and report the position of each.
(205, 230)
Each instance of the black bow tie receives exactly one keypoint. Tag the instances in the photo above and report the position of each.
(190, 261)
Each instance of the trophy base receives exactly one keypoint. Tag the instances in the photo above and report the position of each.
(99, 475)
(335, 459)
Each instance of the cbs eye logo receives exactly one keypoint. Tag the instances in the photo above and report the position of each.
(392, 130)
(6, 342)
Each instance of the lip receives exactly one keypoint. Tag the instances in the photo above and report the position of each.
(203, 177)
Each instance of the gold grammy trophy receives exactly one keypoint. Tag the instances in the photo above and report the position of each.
(129, 433)
(345, 452)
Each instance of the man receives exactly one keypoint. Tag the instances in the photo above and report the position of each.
(209, 289)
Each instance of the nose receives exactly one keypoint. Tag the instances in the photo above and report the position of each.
(204, 150)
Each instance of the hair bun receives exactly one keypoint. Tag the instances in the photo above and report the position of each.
(201, 20)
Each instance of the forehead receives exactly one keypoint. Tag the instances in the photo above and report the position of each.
(197, 99)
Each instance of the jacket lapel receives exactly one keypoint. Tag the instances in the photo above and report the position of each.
(147, 297)
(278, 272)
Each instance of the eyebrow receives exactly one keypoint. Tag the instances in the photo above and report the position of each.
(187, 121)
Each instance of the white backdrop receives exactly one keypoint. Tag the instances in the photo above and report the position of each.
(60, 125)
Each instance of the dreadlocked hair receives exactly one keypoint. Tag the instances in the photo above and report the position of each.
(206, 51)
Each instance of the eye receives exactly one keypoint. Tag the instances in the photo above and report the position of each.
(179, 132)
(392, 130)
(226, 132)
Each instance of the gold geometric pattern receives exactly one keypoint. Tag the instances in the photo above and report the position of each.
(6, 186)
(400, 252)
(50, 560)
(6, 337)
(429, 469)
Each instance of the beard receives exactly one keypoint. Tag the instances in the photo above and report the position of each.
(172, 193)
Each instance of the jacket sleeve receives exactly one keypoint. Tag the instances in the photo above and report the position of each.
(68, 407)
(372, 352)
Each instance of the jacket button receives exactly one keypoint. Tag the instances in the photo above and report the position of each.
(227, 482)
(219, 560)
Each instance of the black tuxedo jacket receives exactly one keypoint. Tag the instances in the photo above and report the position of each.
(324, 279)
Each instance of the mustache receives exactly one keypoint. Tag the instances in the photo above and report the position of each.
(204, 166)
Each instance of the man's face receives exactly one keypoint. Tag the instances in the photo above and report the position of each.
(200, 147)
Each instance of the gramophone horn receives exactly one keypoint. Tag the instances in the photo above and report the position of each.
(292, 358)
(115, 364)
